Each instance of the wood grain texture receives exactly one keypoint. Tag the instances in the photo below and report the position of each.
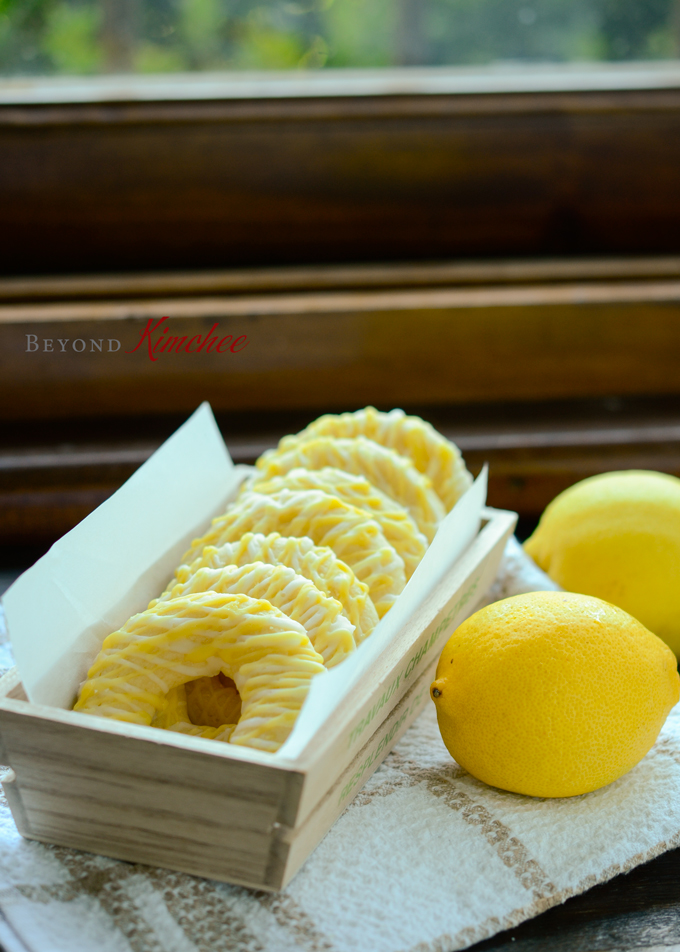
(322, 277)
(461, 335)
(522, 480)
(133, 796)
(534, 452)
(527, 480)
(343, 349)
(105, 186)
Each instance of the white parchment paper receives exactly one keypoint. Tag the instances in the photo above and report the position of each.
(118, 558)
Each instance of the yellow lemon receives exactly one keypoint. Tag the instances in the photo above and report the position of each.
(552, 694)
(617, 536)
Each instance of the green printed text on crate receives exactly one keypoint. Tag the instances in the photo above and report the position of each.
(414, 662)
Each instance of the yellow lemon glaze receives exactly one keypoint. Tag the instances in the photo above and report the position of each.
(398, 526)
(268, 656)
(317, 563)
(329, 630)
(356, 540)
(394, 475)
(430, 452)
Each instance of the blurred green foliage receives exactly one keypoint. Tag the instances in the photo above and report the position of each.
(43, 37)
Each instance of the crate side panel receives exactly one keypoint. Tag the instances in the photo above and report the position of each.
(35, 733)
(151, 820)
(420, 642)
(148, 837)
(118, 790)
(306, 838)
(131, 799)
(245, 866)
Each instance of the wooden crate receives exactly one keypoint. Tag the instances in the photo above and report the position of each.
(225, 812)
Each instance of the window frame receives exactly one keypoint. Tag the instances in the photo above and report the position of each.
(318, 168)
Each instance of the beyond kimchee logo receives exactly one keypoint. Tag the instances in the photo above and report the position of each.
(156, 338)
(165, 343)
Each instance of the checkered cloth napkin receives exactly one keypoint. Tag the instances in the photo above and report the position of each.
(425, 859)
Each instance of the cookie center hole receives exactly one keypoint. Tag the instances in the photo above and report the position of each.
(212, 702)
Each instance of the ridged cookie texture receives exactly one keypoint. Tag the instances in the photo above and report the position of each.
(392, 474)
(268, 656)
(317, 563)
(398, 526)
(430, 452)
(356, 540)
(322, 617)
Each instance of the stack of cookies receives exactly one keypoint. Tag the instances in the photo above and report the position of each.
(285, 584)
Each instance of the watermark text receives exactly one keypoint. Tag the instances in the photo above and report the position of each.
(165, 343)
(79, 345)
(155, 340)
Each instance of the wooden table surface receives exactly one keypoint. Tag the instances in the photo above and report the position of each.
(638, 910)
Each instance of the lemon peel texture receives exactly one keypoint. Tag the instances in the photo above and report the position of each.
(552, 694)
(617, 536)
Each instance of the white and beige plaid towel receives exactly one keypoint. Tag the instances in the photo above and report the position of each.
(426, 859)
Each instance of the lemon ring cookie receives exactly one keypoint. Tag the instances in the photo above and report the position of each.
(430, 452)
(393, 474)
(322, 617)
(317, 563)
(358, 541)
(330, 632)
(398, 526)
(268, 656)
